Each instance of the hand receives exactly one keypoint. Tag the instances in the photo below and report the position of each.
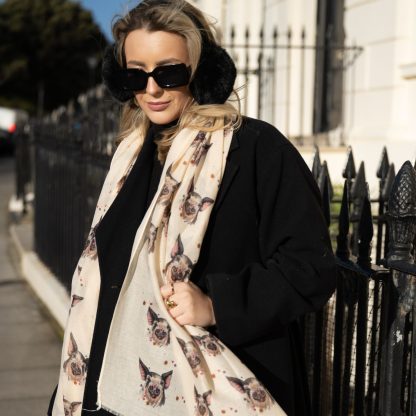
(193, 306)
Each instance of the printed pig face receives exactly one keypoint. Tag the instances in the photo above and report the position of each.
(201, 148)
(169, 188)
(155, 385)
(180, 267)
(210, 344)
(202, 403)
(255, 394)
(159, 330)
(192, 355)
(193, 205)
(75, 300)
(70, 408)
(151, 237)
(76, 365)
(90, 248)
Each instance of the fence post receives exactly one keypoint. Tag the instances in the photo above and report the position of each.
(388, 186)
(358, 194)
(260, 75)
(288, 81)
(401, 293)
(382, 173)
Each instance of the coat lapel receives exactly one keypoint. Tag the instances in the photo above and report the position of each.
(231, 169)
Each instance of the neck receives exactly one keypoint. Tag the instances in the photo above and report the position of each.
(158, 128)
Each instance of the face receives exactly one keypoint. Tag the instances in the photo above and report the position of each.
(148, 50)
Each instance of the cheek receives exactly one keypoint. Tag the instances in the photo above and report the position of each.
(181, 96)
(139, 98)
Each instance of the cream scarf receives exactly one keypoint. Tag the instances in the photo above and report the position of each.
(152, 365)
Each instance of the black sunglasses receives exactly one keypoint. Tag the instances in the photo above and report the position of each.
(166, 76)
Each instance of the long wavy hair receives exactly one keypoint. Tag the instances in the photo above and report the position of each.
(174, 16)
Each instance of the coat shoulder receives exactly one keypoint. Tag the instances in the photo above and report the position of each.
(260, 133)
(265, 140)
(274, 154)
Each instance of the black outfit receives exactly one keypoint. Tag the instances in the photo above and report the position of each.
(266, 259)
(115, 236)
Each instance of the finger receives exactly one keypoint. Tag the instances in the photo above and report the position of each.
(183, 320)
(175, 312)
(181, 287)
(193, 285)
(166, 291)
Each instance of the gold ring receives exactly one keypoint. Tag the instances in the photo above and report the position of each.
(170, 303)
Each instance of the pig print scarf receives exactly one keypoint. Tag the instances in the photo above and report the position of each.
(152, 365)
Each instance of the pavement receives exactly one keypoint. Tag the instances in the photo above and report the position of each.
(30, 344)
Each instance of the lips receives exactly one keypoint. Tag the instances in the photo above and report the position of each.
(158, 106)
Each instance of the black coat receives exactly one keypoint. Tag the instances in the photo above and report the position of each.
(266, 259)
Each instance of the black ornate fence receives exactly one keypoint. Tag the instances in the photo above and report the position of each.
(359, 349)
(72, 152)
(282, 72)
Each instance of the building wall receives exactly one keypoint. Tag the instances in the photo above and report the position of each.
(380, 86)
(285, 94)
(380, 100)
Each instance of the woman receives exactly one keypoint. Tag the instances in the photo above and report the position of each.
(207, 244)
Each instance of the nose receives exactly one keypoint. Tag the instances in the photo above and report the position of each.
(153, 88)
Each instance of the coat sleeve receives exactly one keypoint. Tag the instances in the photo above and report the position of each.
(52, 402)
(297, 273)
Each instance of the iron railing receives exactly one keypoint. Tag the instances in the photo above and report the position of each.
(72, 152)
(360, 347)
(292, 81)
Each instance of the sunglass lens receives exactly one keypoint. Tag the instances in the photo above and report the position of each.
(134, 79)
(170, 76)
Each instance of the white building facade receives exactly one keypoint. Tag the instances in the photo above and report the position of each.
(364, 96)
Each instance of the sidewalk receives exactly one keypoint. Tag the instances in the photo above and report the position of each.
(30, 347)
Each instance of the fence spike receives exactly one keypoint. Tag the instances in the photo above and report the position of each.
(324, 172)
(388, 183)
(324, 184)
(316, 164)
(383, 166)
(275, 35)
(343, 251)
(261, 35)
(359, 187)
(232, 34)
(358, 193)
(349, 171)
(247, 34)
(401, 215)
(303, 34)
(365, 234)
(289, 34)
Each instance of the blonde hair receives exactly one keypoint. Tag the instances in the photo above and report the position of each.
(179, 17)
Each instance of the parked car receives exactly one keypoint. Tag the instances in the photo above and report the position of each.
(9, 119)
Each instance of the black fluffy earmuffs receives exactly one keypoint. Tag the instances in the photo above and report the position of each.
(214, 77)
(212, 83)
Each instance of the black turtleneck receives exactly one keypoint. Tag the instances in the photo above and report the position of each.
(115, 235)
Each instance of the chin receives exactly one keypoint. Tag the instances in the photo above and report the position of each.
(162, 117)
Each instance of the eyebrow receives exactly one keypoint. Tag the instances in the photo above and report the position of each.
(163, 62)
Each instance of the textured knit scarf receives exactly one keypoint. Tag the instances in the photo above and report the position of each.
(152, 365)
